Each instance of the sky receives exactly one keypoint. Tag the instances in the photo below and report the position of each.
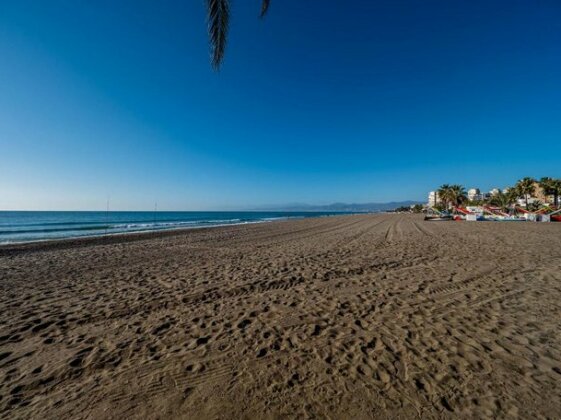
(320, 102)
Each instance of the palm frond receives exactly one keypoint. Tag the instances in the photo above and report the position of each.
(264, 7)
(218, 22)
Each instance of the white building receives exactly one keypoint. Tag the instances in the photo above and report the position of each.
(434, 199)
(473, 194)
(531, 200)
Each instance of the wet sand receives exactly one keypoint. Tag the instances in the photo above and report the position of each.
(377, 316)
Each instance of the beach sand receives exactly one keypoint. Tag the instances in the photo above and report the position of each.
(375, 316)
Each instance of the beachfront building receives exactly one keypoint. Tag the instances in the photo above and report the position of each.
(434, 199)
(473, 194)
(538, 197)
(541, 196)
(476, 197)
(521, 202)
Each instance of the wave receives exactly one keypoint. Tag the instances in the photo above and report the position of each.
(87, 223)
(74, 230)
(51, 230)
(36, 230)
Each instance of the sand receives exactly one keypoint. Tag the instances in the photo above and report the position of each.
(377, 316)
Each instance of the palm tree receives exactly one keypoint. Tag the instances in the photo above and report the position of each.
(547, 185)
(218, 23)
(458, 194)
(445, 195)
(551, 186)
(525, 187)
(504, 200)
(535, 205)
(556, 190)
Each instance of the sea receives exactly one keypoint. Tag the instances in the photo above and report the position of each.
(30, 226)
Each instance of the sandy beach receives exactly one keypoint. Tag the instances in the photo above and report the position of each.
(375, 316)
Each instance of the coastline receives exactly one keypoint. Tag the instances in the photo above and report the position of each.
(111, 238)
(123, 237)
(153, 226)
(365, 316)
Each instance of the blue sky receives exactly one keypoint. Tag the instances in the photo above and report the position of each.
(369, 101)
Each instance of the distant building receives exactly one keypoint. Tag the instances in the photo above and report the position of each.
(474, 194)
(531, 200)
(540, 195)
(434, 199)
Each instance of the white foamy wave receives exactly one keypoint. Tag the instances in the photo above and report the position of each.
(38, 226)
(152, 225)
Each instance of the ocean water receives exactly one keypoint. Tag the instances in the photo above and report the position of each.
(26, 226)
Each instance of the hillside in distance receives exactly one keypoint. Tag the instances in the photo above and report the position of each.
(339, 207)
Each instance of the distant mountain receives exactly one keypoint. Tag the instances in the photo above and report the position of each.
(339, 207)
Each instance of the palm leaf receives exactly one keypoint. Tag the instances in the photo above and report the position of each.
(264, 7)
(218, 22)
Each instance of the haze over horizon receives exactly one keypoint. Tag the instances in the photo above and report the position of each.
(375, 102)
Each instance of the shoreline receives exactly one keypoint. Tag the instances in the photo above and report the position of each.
(146, 233)
(123, 237)
(113, 238)
(17, 244)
